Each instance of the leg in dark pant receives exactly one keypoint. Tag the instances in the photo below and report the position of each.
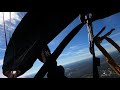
(56, 71)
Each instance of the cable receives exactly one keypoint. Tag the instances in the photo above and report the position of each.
(10, 26)
(4, 30)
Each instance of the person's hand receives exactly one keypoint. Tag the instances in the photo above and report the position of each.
(12, 74)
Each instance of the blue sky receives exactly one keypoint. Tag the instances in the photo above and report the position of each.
(76, 50)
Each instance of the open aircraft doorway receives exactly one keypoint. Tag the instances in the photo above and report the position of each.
(65, 45)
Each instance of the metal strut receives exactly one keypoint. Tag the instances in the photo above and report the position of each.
(108, 57)
(43, 70)
(96, 61)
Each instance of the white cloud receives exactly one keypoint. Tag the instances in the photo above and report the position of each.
(74, 47)
(30, 75)
(84, 50)
(82, 54)
(73, 56)
(1, 62)
(66, 53)
(73, 52)
(14, 18)
(118, 42)
(106, 44)
(7, 16)
(79, 46)
(114, 35)
(3, 49)
(108, 47)
(1, 75)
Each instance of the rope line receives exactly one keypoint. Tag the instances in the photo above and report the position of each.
(5, 30)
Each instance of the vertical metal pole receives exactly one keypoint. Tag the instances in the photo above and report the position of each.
(92, 50)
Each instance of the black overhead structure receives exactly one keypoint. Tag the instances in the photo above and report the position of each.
(44, 27)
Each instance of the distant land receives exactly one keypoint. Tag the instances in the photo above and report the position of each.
(84, 68)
